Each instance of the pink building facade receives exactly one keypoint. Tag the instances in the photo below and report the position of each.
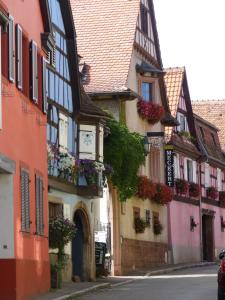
(196, 214)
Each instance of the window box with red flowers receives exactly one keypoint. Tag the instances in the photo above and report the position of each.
(212, 192)
(139, 225)
(181, 186)
(194, 190)
(163, 194)
(146, 188)
(149, 111)
(157, 228)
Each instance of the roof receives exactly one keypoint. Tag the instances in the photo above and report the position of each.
(105, 39)
(174, 80)
(214, 112)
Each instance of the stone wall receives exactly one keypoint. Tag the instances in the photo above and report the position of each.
(142, 255)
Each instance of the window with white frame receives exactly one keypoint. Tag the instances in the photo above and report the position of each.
(19, 57)
(147, 91)
(183, 122)
(189, 170)
(11, 49)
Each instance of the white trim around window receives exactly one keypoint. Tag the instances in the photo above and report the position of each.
(34, 58)
(11, 34)
(19, 57)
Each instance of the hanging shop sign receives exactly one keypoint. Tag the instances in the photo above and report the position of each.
(169, 165)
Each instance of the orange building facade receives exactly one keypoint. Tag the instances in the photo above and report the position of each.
(24, 259)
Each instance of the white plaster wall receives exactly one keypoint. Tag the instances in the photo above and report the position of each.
(6, 217)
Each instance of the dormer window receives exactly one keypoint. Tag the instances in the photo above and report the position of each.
(146, 91)
(183, 122)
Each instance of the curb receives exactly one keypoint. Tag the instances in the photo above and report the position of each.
(84, 291)
(168, 270)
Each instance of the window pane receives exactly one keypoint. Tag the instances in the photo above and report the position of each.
(146, 91)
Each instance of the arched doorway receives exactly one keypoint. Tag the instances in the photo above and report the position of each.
(81, 247)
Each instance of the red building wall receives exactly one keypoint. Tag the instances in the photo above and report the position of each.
(23, 140)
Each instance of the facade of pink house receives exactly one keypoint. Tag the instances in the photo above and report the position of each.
(195, 215)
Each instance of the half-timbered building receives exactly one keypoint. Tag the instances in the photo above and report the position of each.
(121, 62)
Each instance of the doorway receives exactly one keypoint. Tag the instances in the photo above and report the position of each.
(81, 247)
(207, 238)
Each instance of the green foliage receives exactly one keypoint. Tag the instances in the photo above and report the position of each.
(125, 152)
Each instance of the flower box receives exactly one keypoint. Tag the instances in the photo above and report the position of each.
(149, 111)
(194, 190)
(181, 186)
(146, 188)
(139, 225)
(212, 193)
(163, 194)
(157, 228)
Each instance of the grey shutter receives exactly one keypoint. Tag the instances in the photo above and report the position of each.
(25, 201)
(11, 49)
(34, 74)
(44, 85)
(19, 55)
(39, 205)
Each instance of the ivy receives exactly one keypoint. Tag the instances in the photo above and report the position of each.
(125, 152)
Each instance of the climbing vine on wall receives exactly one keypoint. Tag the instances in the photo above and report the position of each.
(125, 152)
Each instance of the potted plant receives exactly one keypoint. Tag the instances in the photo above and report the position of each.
(152, 112)
(157, 227)
(181, 186)
(194, 190)
(212, 192)
(139, 225)
(163, 194)
(61, 232)
(146, 188)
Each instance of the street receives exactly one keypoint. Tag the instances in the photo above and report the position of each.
(191, 284)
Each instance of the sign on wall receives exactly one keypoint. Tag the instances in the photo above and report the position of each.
(169, 165)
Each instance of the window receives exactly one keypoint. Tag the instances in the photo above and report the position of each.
(144, 19)
(155, 217)
(11, 49)
(146, 91)
(55, 210)
(136, 212)
(19, 59)
(147, 217)
(44, 108)
(189, 170)
(182, 123)
(25, 200)
(34, 74)
(26, 65)
(39, 205)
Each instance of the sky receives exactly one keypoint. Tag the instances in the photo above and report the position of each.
(192, 34)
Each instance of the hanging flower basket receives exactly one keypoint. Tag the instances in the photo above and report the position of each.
(157, 228)
(139, 225)
(146, 188)
(163, 194)
(212, 193)
(151, 112)
(181, 186)
(194, 190)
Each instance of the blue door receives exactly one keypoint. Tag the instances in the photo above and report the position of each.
(78, 248)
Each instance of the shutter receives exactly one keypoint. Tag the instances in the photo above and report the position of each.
(219, 180)
(185, 169)
(41, 206)
(207, 175)
(63, 131)
(19, 58)
(25, 201)
(40, 83)
(194, 171)
(34, 71)
(44, 90)
(87, 142)
(101, 143)
(37, 189)
(178, 119)
(11, 49)
(26, 66)
(5, 53)
(0, 77)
